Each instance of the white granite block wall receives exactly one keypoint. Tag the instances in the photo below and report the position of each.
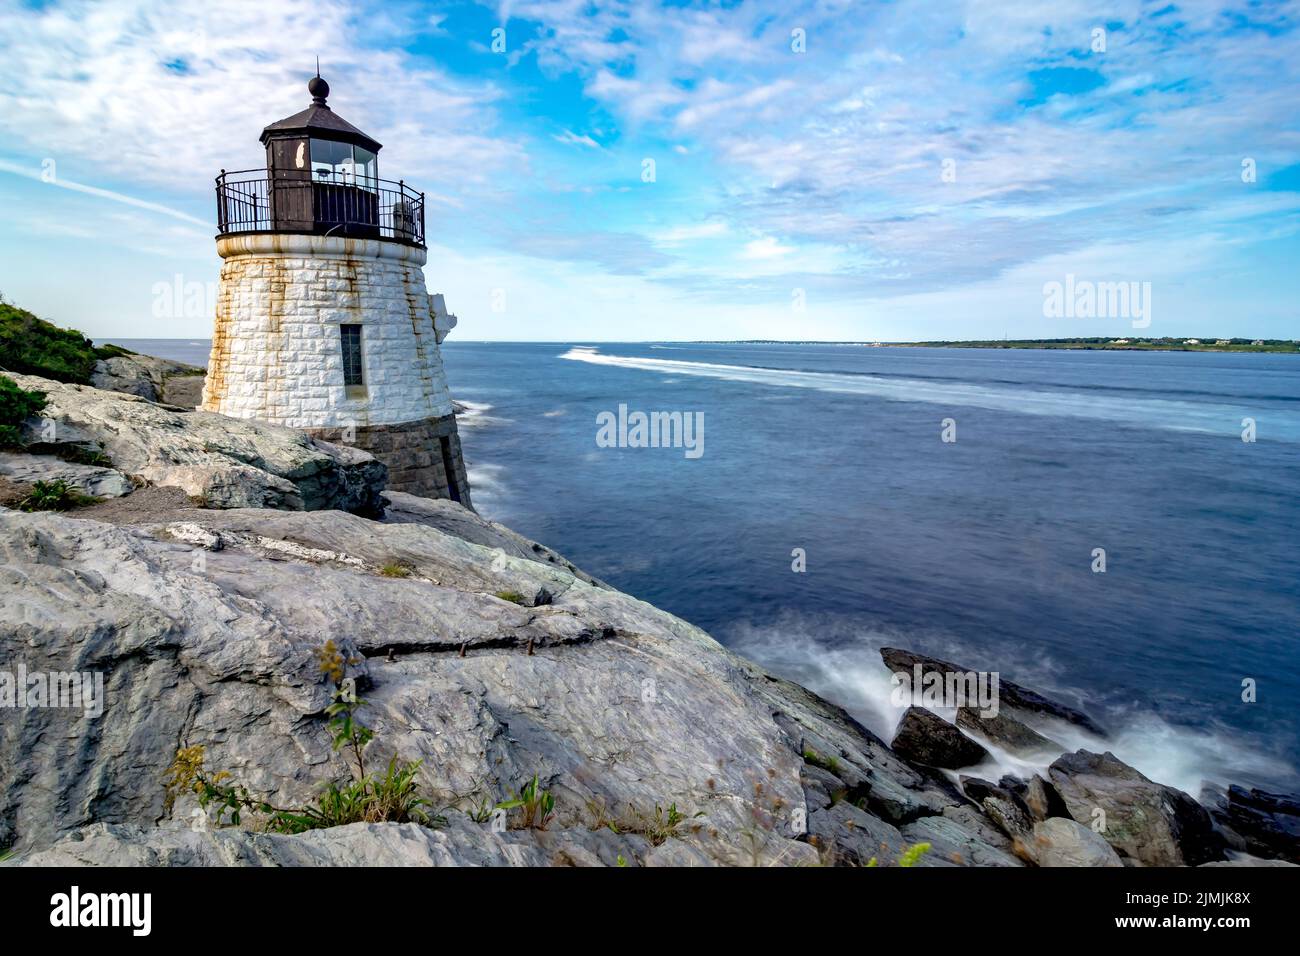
(276, 349)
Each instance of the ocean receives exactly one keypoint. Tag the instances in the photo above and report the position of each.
(981, 549)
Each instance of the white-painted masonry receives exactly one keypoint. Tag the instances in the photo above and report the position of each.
(276, 348)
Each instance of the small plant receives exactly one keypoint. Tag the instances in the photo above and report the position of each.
(829, 764)
(55, 496)
(659, 826)
(537, 804)
(514, 597)
(395, 570)
(912, 855)
(187, 774)
(482, 811)
(346, 730)
(392, 798)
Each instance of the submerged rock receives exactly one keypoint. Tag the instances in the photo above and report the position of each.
(928, 739)
(1009, 694)
(1007, 732)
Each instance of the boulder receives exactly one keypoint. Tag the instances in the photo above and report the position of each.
(1062, 842)
(151, 378)
(1145, 821)
(223, 462)
(926, 738)
(1009, 694)
(94, 480)
(1007, 732)
(1008, 813)
(1267, 824)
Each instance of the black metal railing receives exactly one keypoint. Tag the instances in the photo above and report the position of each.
(261, 200)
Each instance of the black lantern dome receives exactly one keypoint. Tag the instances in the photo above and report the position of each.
(321, 177)
(318, 121)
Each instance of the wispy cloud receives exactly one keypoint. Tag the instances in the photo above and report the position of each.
(880, 154)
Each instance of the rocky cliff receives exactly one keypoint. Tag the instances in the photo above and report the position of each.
(488, 658)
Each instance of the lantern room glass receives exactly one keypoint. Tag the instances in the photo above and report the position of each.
(335, 162)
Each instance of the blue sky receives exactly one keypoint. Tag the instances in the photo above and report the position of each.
(781, 177)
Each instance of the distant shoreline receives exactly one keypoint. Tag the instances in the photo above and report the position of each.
(1280, 346)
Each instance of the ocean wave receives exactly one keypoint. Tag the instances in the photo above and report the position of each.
(475, 414)
(852, 674)
(1215, 418)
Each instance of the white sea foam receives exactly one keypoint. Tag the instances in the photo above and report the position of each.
(487, 485)
(856, 678)
(1142, 411)
(475, 415)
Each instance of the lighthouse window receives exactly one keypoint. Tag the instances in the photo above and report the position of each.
(333, 162)
(352, 370)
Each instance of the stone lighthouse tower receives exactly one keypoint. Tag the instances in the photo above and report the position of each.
(323, 320)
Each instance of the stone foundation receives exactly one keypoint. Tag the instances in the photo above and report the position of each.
(423, 457)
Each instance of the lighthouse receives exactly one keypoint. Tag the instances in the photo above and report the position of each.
(324, 322)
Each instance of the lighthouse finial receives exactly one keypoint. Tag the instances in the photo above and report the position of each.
(317, 87)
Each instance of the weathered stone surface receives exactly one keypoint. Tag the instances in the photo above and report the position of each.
(1009, 694)
(1008, 813)
(151, 378)
(1061, 842)
(1042, 800)
(450, 518)
(1145, 821)
(423, 457)
(928, 739)
(225, 462)
(1267, 824)
(205, 628)
(955, 844)
(1008, 732)
(459, 843)
(92, 480)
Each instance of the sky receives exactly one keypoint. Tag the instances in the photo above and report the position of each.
(625, 171)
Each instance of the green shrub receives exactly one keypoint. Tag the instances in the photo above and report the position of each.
(16, 404)
(33, 346)
(55, 496)
(514, 597)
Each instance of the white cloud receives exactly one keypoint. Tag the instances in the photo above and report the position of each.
(765, 248)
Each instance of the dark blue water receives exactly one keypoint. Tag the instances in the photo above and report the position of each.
(979, 550)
